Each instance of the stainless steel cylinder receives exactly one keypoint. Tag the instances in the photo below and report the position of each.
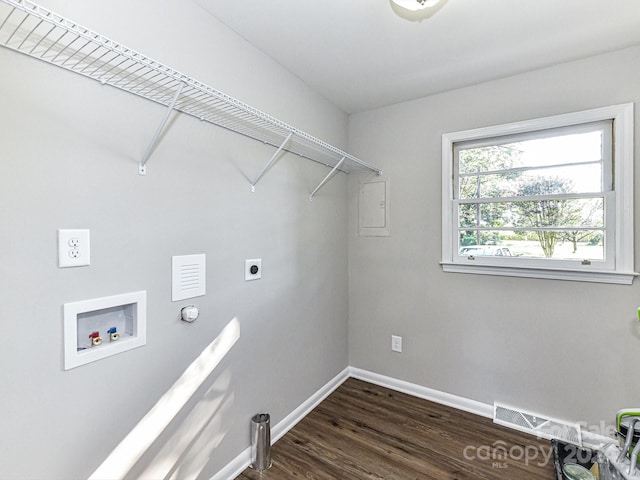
(261, 442)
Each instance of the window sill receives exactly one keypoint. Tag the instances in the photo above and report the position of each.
(619, 278)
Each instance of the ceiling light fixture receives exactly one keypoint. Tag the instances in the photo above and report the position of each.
(416, 5)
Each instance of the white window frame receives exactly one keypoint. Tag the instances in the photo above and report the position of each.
(620, 271)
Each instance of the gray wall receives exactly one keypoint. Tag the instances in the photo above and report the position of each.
(556, 347)
(68, 154)
(69, 149)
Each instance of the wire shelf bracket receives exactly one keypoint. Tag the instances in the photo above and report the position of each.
(32, 30)
(270, 162)
(142, 166)
(326, 179)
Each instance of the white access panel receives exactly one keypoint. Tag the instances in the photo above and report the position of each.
(188, 276)
(373, 208)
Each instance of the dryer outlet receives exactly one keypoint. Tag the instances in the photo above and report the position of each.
(253, 269)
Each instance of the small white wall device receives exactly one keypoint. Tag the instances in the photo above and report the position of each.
(73, 248)
(189, 313)
(253, 269)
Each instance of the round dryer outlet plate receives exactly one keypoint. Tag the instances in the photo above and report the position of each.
(253, 269)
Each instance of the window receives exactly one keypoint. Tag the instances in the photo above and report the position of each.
(545, 198)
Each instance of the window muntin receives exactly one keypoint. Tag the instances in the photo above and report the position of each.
(545, 190)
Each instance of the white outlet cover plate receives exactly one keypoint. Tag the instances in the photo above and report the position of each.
(74, 248)
(247, 269)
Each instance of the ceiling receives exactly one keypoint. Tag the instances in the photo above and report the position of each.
(363, 54)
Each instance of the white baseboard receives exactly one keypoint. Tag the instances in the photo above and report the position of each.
(242, 461)
(303, 410)
(419, 391)
(589, 439)
(235, 467)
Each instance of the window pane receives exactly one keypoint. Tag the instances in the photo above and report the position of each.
(573, 179)
(490, 158)
(548, 181)
(489, 186)
(562, 149)
(541, 244)
(487, 215)
(562, 213)
(556, 149)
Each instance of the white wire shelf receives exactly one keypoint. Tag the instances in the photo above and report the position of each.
(29, 28)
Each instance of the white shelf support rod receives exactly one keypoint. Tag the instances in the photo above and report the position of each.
(326, 179)
(142, 167)
(271, 162)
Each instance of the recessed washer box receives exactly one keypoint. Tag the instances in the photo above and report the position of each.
(98, 328)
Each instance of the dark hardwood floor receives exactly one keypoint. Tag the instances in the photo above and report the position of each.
(362, 431)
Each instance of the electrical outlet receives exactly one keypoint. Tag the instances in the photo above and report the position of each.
(253, 269)
(396, 343)
(73, 248)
